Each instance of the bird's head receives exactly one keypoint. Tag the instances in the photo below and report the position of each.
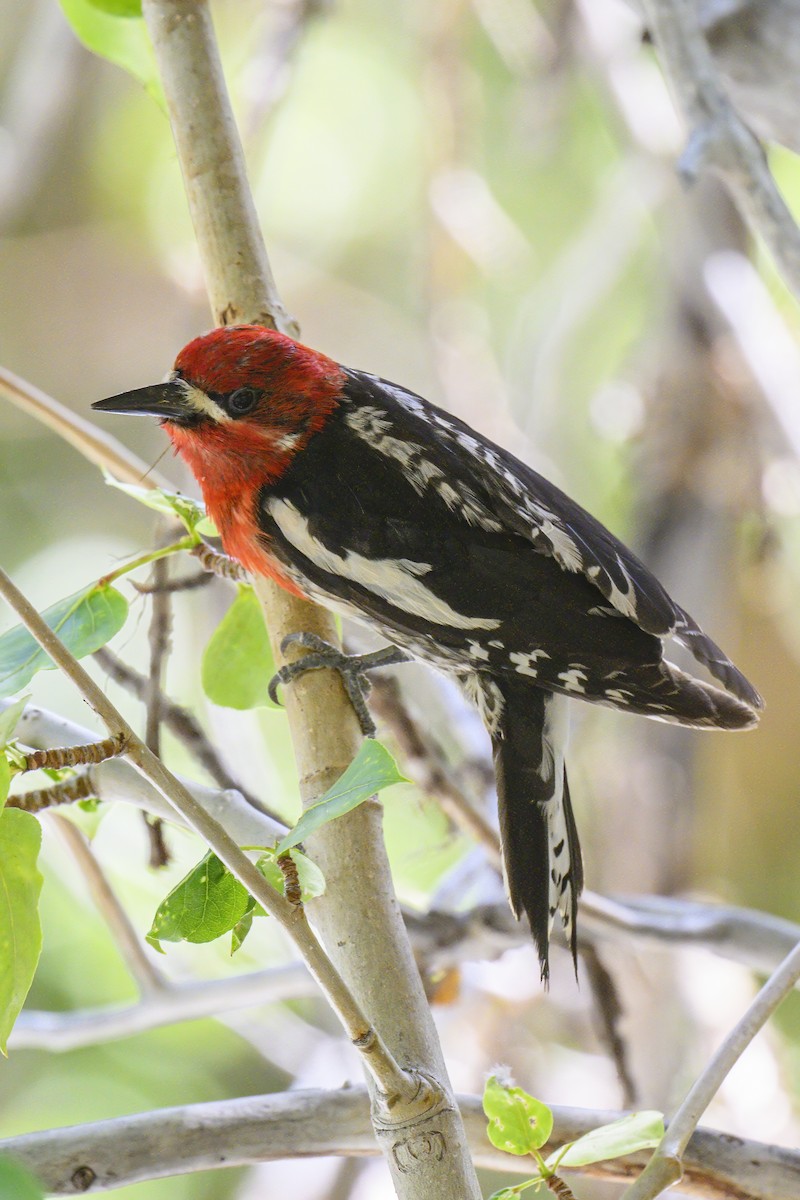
(240, 402)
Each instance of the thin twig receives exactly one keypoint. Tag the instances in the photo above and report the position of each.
(666, 1165)
(116, 780)
(187, 584)
(609, 1011)
(183, 724)
(65, 792)
(148, 978)
(719, 139)
(219, 564)
(60, 757)
(396, 1084)
(159, 642)
(98, 447)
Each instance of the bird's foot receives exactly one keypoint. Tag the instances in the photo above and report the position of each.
(351, 668)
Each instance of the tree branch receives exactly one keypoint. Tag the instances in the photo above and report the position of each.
(395, 1084)
(375, 957)
(666, 1165)
(719, 140)
(197, 1137)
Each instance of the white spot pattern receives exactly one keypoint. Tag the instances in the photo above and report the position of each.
(374, 427)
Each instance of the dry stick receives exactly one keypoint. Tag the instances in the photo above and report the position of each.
(98, 447)
(67, 792)
(393, 1081)
(183, 724)
(148, 979)
(666, 1165)
(358, 917)
(719, 138)
(158, 637)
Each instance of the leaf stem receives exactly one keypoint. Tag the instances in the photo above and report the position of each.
(184, 543)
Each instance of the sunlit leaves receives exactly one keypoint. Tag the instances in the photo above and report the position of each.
(84, 622)
(9, 718)
(210, 901)
(371, 770)
(637, 1131)
(238, 662)
(206, 903)
(123, 42)
(20, 930)
(188, 510)
(518, 1123)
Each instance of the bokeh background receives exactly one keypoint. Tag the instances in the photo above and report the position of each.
(476, 198)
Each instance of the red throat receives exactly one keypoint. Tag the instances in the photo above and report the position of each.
(234, 460)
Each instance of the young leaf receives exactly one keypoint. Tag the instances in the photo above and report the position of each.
(9, 718)
(124, 43)
(238, 662)
(5, 778)
(518, 1123)
(242, 927)
(84, 622)
(119, 8)
(192, 512)
(20, 931)
(207, 902)
(371, 770)
(18, 1184)
(637, 1131)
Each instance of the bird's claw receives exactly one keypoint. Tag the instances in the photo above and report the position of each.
(351, 668)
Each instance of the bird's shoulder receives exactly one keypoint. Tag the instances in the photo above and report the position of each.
(494, 491)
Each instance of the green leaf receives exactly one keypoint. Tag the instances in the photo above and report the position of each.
(506, 1193)
(20, 931)
(18, 1184)
(238, 662)
(9, 718)
(518, 1123)
(5, 780)
(207, 903)
(637, 1131)
(371, 770)
(243, 927)
(188, 510)
(119, 8)
(124, 43)
(84, 622)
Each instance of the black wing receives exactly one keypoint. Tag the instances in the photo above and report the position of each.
(458, 551)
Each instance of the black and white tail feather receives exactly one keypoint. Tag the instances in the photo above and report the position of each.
(541, 851)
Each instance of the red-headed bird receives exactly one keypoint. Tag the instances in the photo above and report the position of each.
(359, 494)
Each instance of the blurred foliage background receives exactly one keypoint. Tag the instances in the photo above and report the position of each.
(475, 198)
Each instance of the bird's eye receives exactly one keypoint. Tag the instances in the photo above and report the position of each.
(242, 401)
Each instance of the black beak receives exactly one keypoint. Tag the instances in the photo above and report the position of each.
(164, 400)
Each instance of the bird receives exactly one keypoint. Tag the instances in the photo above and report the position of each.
(358, 494)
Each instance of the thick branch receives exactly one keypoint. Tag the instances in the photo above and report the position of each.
(374, 955)
(719, 139)
(199, 1137)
